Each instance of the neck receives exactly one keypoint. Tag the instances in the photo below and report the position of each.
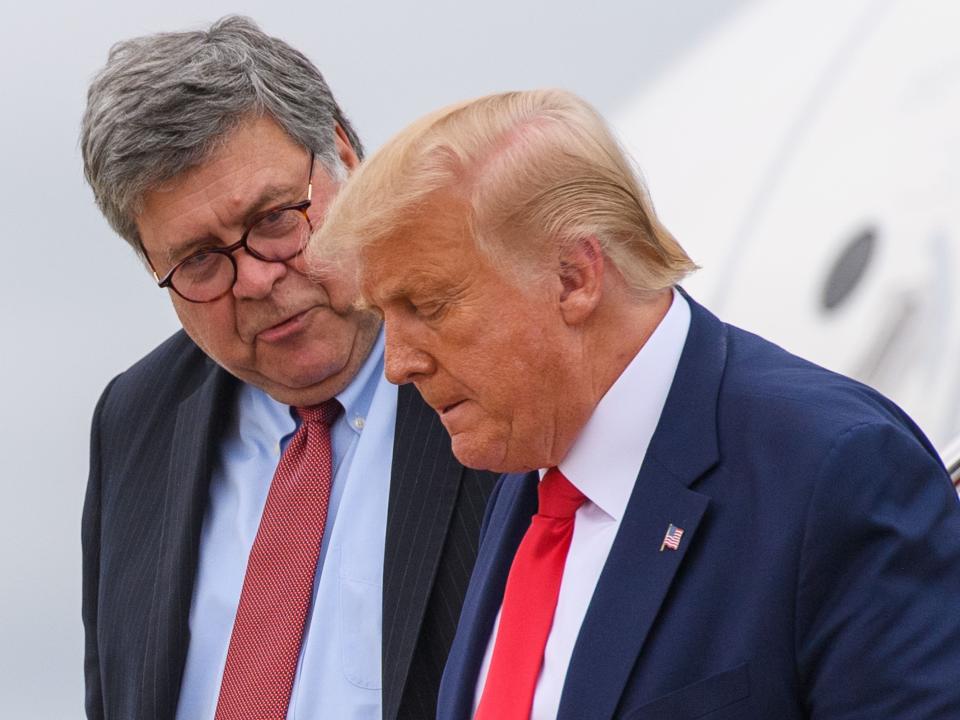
(622, 328)
(618, 330)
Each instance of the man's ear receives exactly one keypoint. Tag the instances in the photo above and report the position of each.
(348, 156)
(581, 271)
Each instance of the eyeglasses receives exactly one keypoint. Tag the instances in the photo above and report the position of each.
(278, 234)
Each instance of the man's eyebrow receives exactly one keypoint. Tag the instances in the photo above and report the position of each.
(421, 285)
(269, 196)
(416, 282)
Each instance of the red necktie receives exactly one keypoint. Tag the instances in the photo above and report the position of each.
(265, 643)
(529, 602)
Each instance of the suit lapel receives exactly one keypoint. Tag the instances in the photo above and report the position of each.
(198, 423)
(425, 481)
(638, 574)
(510, 510)
(629, 594)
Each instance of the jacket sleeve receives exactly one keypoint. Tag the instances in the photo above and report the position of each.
(878, 631)
(90, 543)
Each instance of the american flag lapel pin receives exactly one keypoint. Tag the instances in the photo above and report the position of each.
(672, 539)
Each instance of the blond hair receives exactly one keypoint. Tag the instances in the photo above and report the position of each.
(530, 167)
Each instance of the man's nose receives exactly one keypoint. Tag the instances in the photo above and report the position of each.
(404, 361)
(255, 278)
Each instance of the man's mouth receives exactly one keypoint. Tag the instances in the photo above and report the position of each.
(284, 329)
(444, 409)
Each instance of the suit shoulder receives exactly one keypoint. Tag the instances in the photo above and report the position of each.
(166, 374)
(762, 380)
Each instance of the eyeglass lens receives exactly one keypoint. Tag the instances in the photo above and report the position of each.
(276, 237)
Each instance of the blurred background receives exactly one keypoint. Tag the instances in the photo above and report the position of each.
(806, 154)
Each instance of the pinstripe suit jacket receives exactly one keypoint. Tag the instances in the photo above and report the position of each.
(154, 438)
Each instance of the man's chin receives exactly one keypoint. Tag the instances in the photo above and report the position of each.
(318, 365)
(480, 454)
(306, 388)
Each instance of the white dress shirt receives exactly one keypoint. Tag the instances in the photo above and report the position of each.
(603, 464)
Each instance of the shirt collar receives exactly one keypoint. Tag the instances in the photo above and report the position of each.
(605, 459)
(357, 396)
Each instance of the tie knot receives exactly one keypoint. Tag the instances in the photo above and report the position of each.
(324, 413)
(558, 497)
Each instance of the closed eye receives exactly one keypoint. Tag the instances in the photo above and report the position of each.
(426, 310)
(430, 310)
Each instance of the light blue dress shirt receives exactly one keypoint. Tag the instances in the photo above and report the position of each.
(338, 675)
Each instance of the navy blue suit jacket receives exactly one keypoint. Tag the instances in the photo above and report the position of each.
(819, 571)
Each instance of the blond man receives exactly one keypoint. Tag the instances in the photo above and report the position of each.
(693, 523)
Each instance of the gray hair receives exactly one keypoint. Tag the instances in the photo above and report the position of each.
(164, 102)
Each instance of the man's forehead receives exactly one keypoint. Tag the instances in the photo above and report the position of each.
(228, 196)
(256, 163)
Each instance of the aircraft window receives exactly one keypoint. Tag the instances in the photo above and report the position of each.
(849, 268)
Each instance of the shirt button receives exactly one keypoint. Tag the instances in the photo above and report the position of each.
(358, 422)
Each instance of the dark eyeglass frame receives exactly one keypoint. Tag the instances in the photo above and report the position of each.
(167, 280)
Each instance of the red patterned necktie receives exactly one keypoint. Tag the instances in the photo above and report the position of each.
(265, 643)
(529, 602)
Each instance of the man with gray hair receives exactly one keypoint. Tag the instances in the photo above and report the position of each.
(270, 528)
(694, 523)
